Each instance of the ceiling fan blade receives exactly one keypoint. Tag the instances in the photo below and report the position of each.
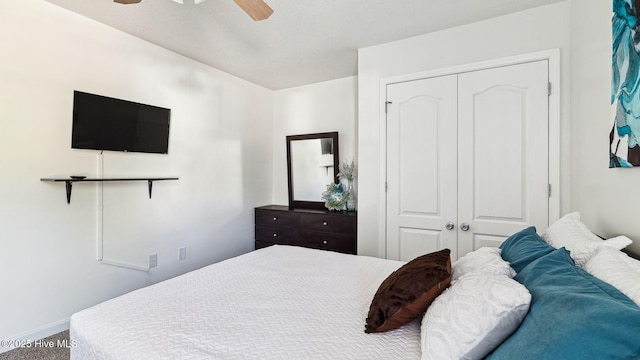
(257, 9)
(125, 2)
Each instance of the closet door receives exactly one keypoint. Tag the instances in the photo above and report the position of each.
(503, 159)
(467, 159)
(421, 167)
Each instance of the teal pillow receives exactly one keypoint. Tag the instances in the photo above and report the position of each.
(521, 248)
(573, 315)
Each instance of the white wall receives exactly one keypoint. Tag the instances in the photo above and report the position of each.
(320, 107)
(220, 147)
(607, 198)
(529, 31)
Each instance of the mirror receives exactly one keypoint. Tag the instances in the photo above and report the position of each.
(312, 164)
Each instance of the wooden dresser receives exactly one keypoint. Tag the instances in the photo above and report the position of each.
(317, 229)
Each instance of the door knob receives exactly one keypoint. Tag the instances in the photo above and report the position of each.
(450, 225)
(464, 227)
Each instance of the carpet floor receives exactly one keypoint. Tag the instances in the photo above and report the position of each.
(54, 347)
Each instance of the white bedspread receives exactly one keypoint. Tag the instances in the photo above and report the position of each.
(280, 302)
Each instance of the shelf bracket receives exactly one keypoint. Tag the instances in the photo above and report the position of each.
(150, 187)
(68, 186)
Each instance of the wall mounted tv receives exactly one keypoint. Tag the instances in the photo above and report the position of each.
(104, 123)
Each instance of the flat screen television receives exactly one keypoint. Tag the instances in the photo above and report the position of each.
(104, 123)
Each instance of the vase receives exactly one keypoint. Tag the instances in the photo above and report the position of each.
(351, 201)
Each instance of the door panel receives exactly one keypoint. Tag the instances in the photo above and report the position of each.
(419, 126)
(414, 242)
(421, 175)
(482, 240)
(503, 152)
(497, 153)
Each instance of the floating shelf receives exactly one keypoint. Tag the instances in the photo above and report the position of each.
(69, 181)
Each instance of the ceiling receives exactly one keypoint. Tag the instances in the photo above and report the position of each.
(303, 42)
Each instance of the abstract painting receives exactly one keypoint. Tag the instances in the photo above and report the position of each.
(624, 137)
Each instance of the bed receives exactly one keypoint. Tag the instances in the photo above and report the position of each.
(529, 299)
(280, 302)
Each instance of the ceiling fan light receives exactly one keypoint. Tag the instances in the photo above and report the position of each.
(179, 1)
(199, 1)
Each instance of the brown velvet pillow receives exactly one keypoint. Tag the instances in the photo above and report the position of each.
(408, 291)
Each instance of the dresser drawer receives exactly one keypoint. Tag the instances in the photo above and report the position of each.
(328, 223)
(277, 235)
(276, 218)
(327, 241)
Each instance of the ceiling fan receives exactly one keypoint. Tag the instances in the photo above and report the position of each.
(256, 9)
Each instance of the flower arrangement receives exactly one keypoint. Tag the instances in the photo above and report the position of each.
(347, 171)
(336, 197)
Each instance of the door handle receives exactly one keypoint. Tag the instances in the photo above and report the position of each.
(450, 225)
(464, 227)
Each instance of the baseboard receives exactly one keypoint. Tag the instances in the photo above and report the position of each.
(35, 334)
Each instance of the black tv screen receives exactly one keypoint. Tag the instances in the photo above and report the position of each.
(104, 123)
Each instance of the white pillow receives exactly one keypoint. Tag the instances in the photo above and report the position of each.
(485, 259)
(569, 232)
(473, 317)
(618, 269)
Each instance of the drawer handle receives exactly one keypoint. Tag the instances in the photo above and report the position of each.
(324, 242)
(275, 218)
(324, 223)
(275, 235)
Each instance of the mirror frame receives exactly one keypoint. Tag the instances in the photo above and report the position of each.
(317, 205)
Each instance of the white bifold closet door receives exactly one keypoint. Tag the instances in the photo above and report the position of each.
(467, 159)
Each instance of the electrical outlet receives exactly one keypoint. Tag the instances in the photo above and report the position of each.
(153, 260)
(183, 253)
